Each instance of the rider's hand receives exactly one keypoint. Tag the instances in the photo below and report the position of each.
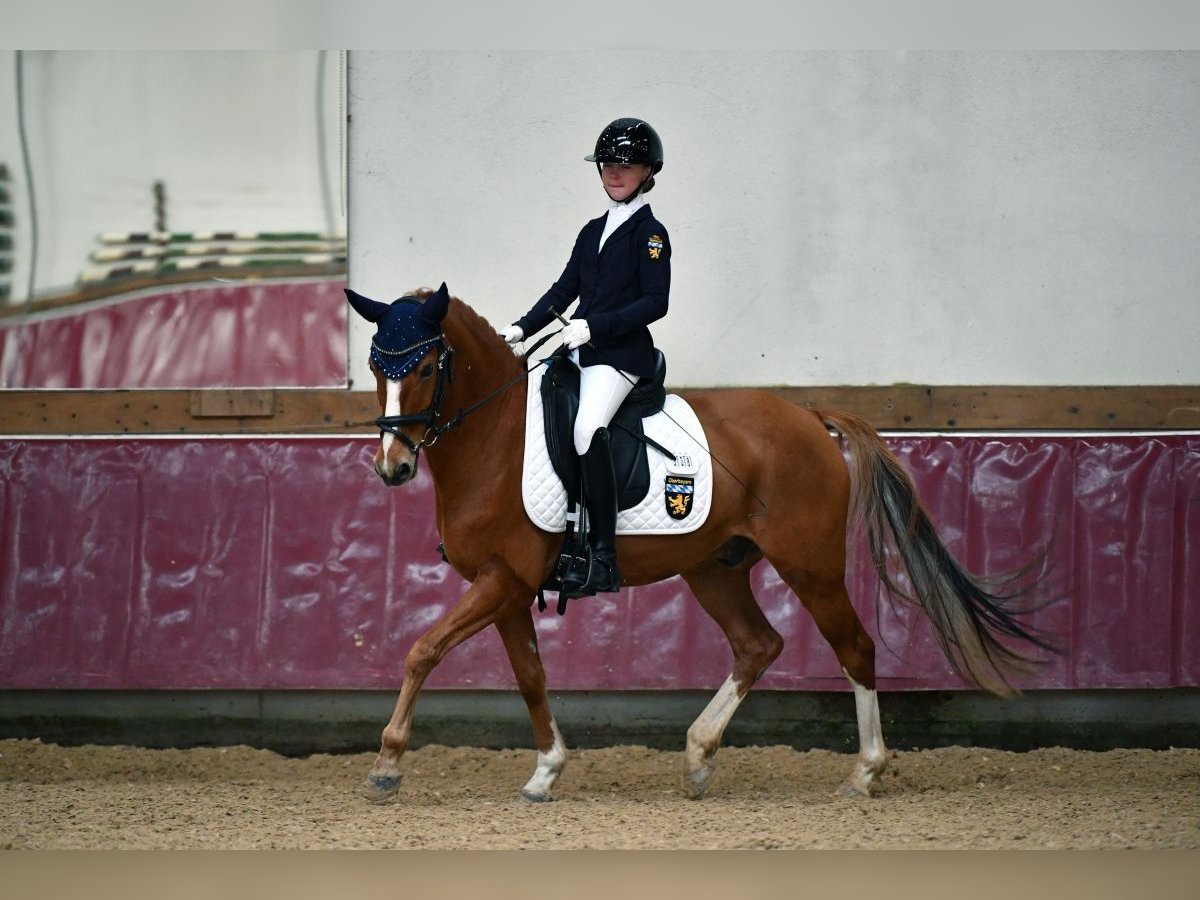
(576, 333)
(513, 335)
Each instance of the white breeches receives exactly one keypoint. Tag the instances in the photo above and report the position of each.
(601, 390)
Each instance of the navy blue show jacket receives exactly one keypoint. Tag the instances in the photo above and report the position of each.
(621, 290)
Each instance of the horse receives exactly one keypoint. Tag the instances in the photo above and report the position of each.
(791, 483)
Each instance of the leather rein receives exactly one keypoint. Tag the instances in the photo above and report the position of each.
(445, 375)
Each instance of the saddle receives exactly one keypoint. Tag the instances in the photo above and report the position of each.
(560, 403)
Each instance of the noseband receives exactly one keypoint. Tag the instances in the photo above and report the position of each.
(429, 416)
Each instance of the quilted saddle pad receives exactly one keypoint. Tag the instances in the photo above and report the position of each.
(680, 494)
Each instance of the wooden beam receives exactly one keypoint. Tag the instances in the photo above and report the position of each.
(315, 411)
(1082, 408)
(959, 407)
(186, 412)
(227, 404)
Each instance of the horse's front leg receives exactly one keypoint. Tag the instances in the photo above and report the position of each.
(496, 592)
(520, 640)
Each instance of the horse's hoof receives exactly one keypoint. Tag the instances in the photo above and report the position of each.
(846, 789)
(696, 783)
(381, 788)
(535, 796)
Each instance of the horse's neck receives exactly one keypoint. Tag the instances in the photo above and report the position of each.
(482, 364)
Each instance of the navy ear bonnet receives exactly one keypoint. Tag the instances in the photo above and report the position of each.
(408, 327)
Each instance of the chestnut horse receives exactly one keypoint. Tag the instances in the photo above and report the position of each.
(781, 453)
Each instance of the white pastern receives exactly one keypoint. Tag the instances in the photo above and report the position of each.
(549, 767)
(391, 408)
(705, 734)
(872, 754)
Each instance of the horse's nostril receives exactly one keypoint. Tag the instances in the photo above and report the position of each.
(397, 476)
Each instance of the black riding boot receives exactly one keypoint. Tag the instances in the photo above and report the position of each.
(600, 497)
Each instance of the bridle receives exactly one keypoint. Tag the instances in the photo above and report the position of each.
(445, 375)
(429, 416)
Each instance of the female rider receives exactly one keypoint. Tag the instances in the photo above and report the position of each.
(620, 269)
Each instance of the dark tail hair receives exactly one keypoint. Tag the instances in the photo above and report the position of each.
(973, 618)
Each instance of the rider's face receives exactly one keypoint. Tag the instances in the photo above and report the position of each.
(622, 179)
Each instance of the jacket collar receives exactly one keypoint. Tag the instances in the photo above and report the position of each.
(642, 213)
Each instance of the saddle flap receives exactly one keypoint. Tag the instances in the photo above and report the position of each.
(560, 404)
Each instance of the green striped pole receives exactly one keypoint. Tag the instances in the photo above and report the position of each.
(161, 267)
(180, 237)
(115, 254)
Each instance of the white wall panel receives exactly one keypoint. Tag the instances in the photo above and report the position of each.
(837, 218)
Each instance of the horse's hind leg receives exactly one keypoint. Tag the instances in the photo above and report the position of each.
(520, 641)
(825, 597)
(725, 594)
(872, 754)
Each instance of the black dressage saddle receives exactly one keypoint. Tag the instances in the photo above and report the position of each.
(560, 403)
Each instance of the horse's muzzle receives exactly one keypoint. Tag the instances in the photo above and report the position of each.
(401, 474)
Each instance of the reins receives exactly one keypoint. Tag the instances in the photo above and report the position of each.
(463, 412)
(391, 424)
(433, 431)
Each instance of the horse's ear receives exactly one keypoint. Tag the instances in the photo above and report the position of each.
(371, 310)
(434, 309)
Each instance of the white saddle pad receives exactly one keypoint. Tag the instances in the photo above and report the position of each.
(546, 498)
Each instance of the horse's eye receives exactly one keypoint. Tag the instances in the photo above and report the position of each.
(426, 371)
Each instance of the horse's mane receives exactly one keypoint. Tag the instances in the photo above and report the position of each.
(465, 315)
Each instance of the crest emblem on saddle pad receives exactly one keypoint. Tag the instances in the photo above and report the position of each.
(654, 245)
(680, 491)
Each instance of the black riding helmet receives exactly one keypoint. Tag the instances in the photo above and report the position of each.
(630, 141)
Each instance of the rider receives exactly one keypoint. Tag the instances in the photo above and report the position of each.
(620, 268)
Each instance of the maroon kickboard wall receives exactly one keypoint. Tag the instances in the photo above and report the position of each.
(275, 563)
(252, 334)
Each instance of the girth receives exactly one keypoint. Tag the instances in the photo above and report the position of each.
(560, 403)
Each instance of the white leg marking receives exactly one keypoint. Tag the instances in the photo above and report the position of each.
(391, 407)
(704, 737)
(706, 731)
(872, 754)
(549, 767)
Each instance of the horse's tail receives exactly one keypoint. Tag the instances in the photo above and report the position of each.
(972, 618)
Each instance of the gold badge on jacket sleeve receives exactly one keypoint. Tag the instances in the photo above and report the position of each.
(654, 245)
